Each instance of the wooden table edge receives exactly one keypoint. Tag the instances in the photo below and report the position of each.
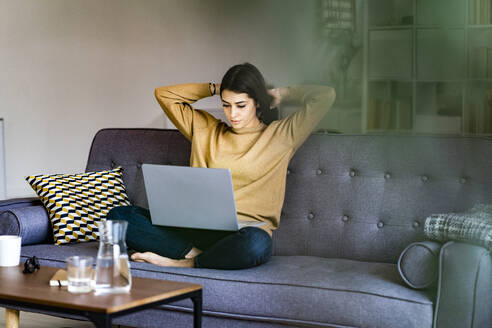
(189, 288)
(153, 299)
(113, 309)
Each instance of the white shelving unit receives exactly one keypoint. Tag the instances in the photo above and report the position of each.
(428, 66)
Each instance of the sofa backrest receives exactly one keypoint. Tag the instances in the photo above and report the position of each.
(361, 197)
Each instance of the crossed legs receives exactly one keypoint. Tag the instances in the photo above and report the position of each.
(181, 247)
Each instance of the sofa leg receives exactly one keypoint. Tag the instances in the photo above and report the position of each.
(11, 318)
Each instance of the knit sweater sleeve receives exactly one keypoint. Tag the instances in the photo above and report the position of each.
(176, 102)
(316, 100)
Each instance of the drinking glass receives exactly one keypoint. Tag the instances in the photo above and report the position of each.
(79, 273)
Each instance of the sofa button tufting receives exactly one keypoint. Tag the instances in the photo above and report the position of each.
(387, 176)
(380, 224)
(353, 173)
(424, 178)
(345, 218)
(463, 180)
(318, 172)
(311, 216)
(416, 224)
(288, 172)
(113, 164)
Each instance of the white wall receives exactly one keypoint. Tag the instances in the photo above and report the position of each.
(70, 68)
(2, 164)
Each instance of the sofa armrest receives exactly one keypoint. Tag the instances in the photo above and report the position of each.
(8, 204)
(464, 296)
(25, 217)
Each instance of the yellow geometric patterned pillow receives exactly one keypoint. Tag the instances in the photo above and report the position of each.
(76, 202)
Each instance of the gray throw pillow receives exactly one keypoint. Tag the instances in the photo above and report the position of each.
(419, 264)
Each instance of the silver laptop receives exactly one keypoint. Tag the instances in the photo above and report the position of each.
(191, 197)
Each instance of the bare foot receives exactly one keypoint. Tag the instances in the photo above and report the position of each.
(194, 252)
(153, 258)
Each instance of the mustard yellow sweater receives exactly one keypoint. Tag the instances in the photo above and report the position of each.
(257, 157)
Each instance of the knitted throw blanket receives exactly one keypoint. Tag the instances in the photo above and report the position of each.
(473, 226)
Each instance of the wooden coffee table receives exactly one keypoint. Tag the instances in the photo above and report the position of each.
(32, 292)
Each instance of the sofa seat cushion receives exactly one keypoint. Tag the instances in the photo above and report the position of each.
(313, 290)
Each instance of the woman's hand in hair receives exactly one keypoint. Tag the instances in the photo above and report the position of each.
(278, 95)
(214, 88)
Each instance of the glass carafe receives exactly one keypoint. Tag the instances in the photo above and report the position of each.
(112, 265)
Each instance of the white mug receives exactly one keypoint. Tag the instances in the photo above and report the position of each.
(10, 247)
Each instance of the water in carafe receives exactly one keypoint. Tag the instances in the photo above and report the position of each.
(112, 265)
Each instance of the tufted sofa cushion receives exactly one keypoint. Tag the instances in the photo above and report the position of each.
(367, 197)
(151, 146)
(347, 196)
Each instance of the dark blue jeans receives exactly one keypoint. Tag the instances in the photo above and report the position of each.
(241, 249)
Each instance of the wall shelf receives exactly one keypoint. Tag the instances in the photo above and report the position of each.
(437, 67)
(395, 27)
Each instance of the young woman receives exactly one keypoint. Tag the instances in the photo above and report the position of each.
(256, 152)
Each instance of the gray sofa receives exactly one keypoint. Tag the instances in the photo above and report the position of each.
(353, 203)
